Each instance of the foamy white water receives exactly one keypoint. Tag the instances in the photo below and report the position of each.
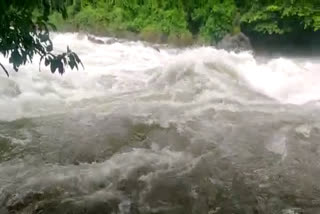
(196, 130)
(133, 66)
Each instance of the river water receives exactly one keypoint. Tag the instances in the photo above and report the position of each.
(168, 131)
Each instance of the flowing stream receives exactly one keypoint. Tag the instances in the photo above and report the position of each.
(167, 131)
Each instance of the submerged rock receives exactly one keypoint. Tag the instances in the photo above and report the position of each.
(95, 40)
(239, 42)
(98, 41)
(19, 202)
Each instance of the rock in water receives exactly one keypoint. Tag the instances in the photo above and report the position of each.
(238, 42)
(95, 40)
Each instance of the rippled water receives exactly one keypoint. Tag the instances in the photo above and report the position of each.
(175, 131)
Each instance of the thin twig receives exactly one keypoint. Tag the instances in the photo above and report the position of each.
(4, 69)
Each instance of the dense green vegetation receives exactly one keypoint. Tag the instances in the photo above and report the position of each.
(24, 33)
(207, 20)
(282, 16)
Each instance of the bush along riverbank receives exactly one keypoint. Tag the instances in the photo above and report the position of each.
(185, 22)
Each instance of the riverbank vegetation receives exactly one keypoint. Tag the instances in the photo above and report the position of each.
(206, 21)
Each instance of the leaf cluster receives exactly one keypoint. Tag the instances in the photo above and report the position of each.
(24, 34)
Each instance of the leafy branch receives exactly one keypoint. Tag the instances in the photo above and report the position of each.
(22, 35)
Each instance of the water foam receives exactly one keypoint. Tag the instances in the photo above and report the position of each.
(133, 66)
(170, 131)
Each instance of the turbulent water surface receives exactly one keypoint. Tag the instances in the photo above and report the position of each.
(168, 131)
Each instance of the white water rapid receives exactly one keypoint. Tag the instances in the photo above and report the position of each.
(168, 131)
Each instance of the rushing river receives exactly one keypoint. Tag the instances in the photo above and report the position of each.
(167, 131)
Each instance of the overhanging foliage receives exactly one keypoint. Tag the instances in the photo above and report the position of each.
(24, 34)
